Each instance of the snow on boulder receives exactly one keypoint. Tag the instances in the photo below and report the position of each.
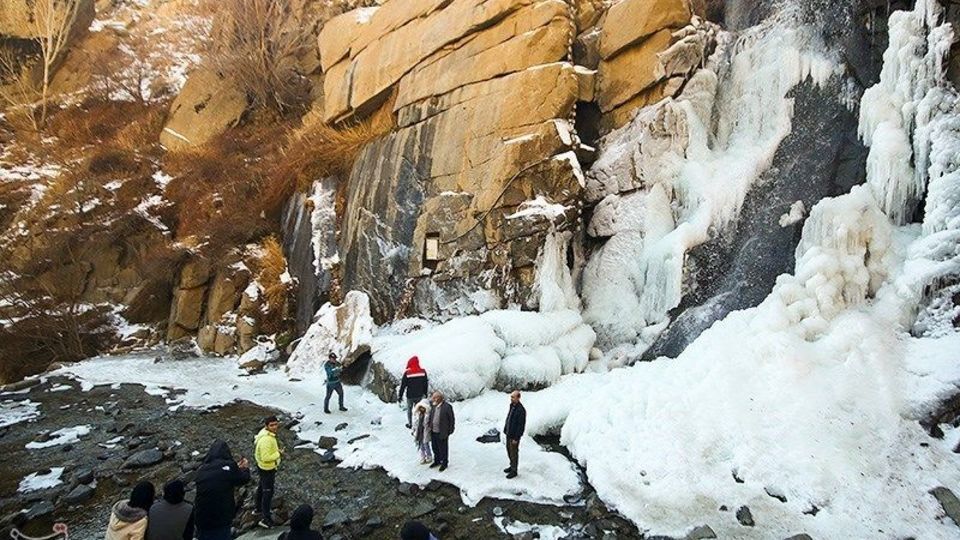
(502, 349)
(346, 330)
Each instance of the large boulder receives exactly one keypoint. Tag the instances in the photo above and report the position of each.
(17, 18)
(207, 106)
(346, 330)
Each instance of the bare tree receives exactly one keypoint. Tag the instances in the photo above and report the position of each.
(258, 44)
(17, 92)
(52, 21)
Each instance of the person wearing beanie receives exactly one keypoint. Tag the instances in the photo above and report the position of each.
(300, 522)
(414, 382)
(171, 518)
(128, 519)
(267, 454)
(414, 530)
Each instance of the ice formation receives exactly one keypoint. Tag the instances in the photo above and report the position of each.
(680, 171)
(346, 330)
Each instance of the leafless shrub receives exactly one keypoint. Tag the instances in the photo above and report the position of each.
(258, 42)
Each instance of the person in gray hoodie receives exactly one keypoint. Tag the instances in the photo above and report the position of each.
(128, 520)
(171, 518)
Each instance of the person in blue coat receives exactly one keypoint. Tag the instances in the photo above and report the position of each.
(333, 368)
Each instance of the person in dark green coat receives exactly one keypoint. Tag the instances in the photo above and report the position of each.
(333, 368)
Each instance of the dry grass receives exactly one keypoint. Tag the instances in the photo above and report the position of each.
(270, 266)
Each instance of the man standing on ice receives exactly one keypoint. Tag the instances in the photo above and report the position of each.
(513, 429)
(414, 381)
(333, 368)
(441, 427)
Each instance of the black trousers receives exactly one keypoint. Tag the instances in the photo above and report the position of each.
(265, 492)
(331, 388)
(441, 448)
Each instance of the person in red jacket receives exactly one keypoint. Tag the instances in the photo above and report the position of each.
(414, 382)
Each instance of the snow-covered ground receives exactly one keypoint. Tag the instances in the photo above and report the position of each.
(41, 480)
(475, 467)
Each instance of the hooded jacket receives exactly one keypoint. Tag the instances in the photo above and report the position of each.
(126, 522)
(219, 474)
(266, 450)
(421, 425)
(300, 522)
(414, 381)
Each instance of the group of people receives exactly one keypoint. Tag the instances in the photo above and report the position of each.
(211, 515)
(432, 422)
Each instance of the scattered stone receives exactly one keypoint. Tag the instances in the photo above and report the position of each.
(491, 436)
(745, 517)
(328, 457)
(327, 442)
(776, 494)
(20, 385)
(723, 508)
(39, 510)
(422, 508)
(336, 517)
(120, 481)
(358, 438)
(407, 488)
(814, 510)
(949, 502)
(373, 522)
(701, 533)
(83, 475)
(573, 498)
(340, 427)
(801, 536)
(79, 494)
(143, 458)
(736, 477)
(497, 511)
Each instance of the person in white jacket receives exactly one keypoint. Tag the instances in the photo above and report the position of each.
(128, 519)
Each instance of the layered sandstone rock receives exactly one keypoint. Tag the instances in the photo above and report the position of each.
(483, 93)
(17, 20)
(647, 50)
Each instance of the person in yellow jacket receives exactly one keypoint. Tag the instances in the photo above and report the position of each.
(267, 453)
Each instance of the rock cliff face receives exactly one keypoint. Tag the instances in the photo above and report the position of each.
(445, 216)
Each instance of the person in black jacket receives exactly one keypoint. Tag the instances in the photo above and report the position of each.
(414, 381)
(215, 505)
(442, 424)
(513, 430)
(300, 522)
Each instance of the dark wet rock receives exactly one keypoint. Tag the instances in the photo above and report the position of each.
(336, 517)
(573, 498)
(358, 438)
(422, 508)
(407, 488)
(723, 508)
(491, 436)
(373, 523)
(143, 458)
(327, 442)
(66, 448)
(340, 427)
(812, 511)
(20, 385)
(949, 502)
(79, 494)
(40, 510)
(328, 457)
(134, 443)
(736, 477)
(83, 475)
(776, 494)
(703, 532)
(14, 519)
(745, 517)
(802, 536)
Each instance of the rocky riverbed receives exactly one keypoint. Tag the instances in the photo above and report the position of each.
(83, 450)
